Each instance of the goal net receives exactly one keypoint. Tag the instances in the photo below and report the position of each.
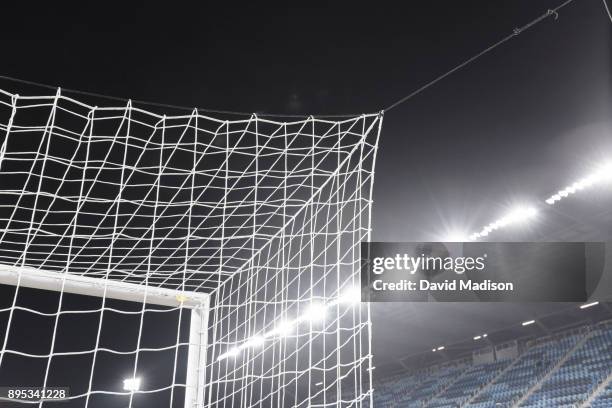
(149, 260)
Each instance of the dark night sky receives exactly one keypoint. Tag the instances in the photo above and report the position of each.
(511, 126)
(514, 126)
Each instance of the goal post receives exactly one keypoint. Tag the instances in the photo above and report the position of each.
(207, 261)
(196, 303)
(196, 355)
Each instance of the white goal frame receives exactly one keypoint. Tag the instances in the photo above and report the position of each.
(197, 303)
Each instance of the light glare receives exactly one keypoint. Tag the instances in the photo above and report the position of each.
(456, 236)
(282, 329)
(315, 313)
(602, 175)
(351, 296)
(131, 384)
(233, 352)
(518, 215)
(254, 341)
(586, 306)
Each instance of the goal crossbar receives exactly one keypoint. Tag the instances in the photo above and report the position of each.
(82, 285)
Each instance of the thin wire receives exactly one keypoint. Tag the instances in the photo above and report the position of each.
(515, 33)
(171, 106)
(607, 10)
(549, 13)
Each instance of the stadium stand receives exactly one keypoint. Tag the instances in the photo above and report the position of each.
(572, 383)
(466, 386)
(603, 399)
(413, 390)
(531, 366)
(571, 369)
(434, 384)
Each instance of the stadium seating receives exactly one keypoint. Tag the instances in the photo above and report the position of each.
(467, 385)
(603, 399)
(580, 364)
(391, 392)
(572, 383)
(525, 372)
(432, 385)
(413, 390)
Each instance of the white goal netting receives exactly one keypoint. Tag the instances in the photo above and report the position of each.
(204, 261)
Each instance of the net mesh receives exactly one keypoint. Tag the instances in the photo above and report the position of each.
(264, 216)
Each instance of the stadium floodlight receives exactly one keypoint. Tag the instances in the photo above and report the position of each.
(602, 175)
(233, 352)
(282, 329)
(316, 313)
(131, 384)
(516, 216)
(528, 322)
(254, 341)
(455, 236)
(351, 296)
(587, 305)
